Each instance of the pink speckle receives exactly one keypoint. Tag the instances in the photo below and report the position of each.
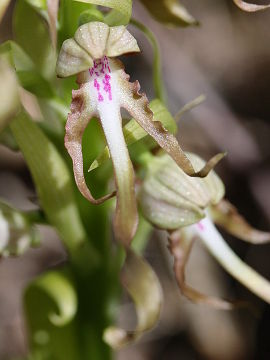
(101, 69)
(100, 97)
(200, 226)
(96, 84)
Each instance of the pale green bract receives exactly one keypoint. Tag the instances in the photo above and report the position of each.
(121, 10)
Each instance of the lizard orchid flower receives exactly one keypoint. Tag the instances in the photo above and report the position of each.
(104, 89)
(188, 208)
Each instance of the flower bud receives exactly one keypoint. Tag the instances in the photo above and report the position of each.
(171, 199)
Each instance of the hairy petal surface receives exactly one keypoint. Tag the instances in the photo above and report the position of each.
(227, 216)
(143, 286)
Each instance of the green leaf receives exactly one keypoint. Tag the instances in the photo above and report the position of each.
(26, 71)
(90, 15)
(7, 139)
(51, 295)
(53, 183)
(133, 132)
(9, 94)
(32, 34)
(121, 10)
(169, 12)
(59, 288)
(38, 4)
(16, 56)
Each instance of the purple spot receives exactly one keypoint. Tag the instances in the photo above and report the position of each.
(96, 84)
(100, 97)
(201, 226)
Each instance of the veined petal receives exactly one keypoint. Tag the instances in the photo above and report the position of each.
(92, 37)
(143, 286)
(249, 6)
(81, 113)
(137, 105)
(72, 59)
(180, 245)
(93, 40)
(227, 216)
(242, 272)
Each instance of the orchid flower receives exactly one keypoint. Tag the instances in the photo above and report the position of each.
(188, 208)
(104, 89)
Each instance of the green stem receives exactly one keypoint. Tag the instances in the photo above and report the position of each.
(36, 216)
(157, 73)
(53, 183)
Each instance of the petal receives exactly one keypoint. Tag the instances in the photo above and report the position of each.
(81, 113)
(180, 245)
(72, 59)
(126, 216)
(143, 286)
(120, 41)
(92, 37)
(137, 105)
(250, 7)
(242, 272)
(226, 215)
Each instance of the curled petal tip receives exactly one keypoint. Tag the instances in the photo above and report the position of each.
(144, 289)
(209, 165)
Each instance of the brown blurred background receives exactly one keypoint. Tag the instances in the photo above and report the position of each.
(227, 58)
